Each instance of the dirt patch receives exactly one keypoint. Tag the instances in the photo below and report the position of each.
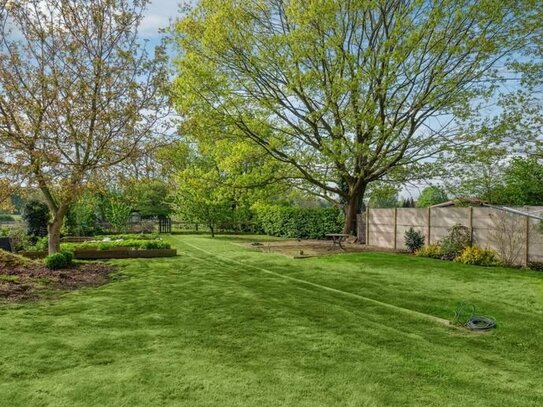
(307, 248)
(23, 279)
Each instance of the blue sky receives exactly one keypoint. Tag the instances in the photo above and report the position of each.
(158, 15)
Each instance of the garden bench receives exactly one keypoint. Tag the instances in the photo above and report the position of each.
(337, 238)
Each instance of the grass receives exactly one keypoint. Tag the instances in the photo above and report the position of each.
(202, 330)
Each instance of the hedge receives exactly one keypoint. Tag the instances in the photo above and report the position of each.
(295, 222)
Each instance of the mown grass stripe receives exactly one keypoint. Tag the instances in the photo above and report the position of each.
(326, 288)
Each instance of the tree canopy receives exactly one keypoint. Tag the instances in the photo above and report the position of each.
(431, 195)
(78, 93)
(344, 93)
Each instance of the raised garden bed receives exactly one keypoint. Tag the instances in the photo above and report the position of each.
(115, 253)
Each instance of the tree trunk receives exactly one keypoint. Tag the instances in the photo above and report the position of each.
(212, 229)
(53, 230)
(352, 209)
(54, 227)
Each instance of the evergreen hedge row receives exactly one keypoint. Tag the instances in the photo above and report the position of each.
(294, 222)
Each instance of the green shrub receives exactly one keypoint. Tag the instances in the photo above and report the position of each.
(135, 244)
(4, 217)
(69, 256)
(56, 261)
(19, 239)
(535, 265)
(36, 216)
(433, 251)
(295, 222)
(155, 244)
(42, 244)
(477, 256)
(414, 240)
(457, 239)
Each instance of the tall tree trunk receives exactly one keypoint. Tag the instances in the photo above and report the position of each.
(54, 227)
(354, 203)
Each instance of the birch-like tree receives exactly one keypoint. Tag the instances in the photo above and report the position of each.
(345, 92)
(78, 93)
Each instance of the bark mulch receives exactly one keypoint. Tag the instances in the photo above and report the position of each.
(23, 279)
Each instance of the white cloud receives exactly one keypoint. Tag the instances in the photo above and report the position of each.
(159, 14)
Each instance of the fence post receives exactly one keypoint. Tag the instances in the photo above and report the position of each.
(470, 220)
(527, 242)
(395, 226)
(367, 225)
(429, 226)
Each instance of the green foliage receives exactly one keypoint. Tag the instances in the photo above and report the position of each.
(4, 217)
(457, 239)
(222, 180)
(129, 236)
(106, 245)
(82, 216)
(383, 196)
(56, 261)
(302, 223)
(523, 182)
(36, 216)
(149, 197)
(117, 213)
(431, 196)
(333, 95)
(414, 239)
(475, 255)
(19, 238)
(68, 256)
(407, 203)
(433, 251)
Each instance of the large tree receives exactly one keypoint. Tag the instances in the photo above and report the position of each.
(78, 93)
(344, 92)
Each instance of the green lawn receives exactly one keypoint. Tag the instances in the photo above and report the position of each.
(204, 330)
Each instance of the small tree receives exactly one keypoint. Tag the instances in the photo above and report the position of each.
(36, 215)
(414, 239)
(201, 199)
(431, 196)
(148, 197)
(78, 94)
(117, 214)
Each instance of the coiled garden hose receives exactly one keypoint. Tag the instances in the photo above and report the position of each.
(465, 315)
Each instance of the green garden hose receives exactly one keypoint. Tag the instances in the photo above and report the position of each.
(465, 315)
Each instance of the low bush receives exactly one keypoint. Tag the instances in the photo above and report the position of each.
(457, 239)
(4, 217)
(69, 256)
(535, 265)
(56, 261)
(433, 251)
(295, 222)
(414, 240)
(476, 255)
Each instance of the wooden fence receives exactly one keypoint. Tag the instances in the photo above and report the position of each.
(516, 236)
